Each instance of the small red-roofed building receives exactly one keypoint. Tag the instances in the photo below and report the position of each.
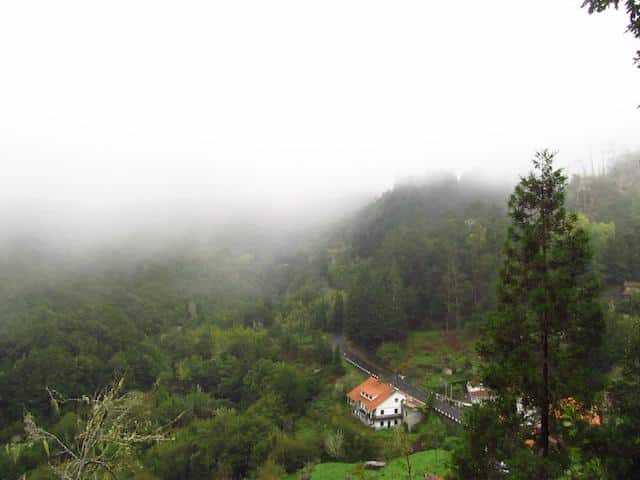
(478, 392)
(631, 289)
(377, 404)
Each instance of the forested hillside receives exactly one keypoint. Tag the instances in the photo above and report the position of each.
(610, 203)
(427, 255)
(422, 256)
(228, 344)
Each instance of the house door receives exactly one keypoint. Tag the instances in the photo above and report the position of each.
(389, 423)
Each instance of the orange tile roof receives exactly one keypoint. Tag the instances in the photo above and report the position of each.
(480, 394)
(631, 288)
(376, 390)
(589, 416)
(530, 442)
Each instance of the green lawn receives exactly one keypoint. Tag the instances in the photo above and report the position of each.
(433, 461)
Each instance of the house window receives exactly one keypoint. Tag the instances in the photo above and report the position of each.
(381, 412)
(396, 399)
(395, 410)
(382, 424)
(395, 422)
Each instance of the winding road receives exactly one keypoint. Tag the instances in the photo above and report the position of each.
(451, 410)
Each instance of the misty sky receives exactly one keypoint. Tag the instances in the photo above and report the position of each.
(128, 102)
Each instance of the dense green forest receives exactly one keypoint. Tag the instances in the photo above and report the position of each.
(225, 348)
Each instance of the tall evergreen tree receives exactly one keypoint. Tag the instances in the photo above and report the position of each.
(455, 285)
(361, 319)
(337, 320)
(394, 301)
(375, 307)
(548, 322)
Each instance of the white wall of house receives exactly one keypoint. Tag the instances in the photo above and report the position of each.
(389, 413)
(387, 423)
(391, 406)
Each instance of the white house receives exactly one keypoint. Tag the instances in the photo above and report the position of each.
(381, 405)
(377, 404)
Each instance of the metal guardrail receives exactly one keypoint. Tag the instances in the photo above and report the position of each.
(359, 367)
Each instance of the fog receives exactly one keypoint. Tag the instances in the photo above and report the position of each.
(172, 117)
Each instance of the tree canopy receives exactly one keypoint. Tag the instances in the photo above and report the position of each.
(632, 7)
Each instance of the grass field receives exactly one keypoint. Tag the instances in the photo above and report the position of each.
(434, 461)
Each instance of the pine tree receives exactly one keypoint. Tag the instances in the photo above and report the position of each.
(376, 308)
(336, 361)
(538, 342)
(361, 323)
(337, 321)
(454, 284)
(394, 298)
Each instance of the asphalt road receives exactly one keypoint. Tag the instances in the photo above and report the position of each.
(444, 407)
